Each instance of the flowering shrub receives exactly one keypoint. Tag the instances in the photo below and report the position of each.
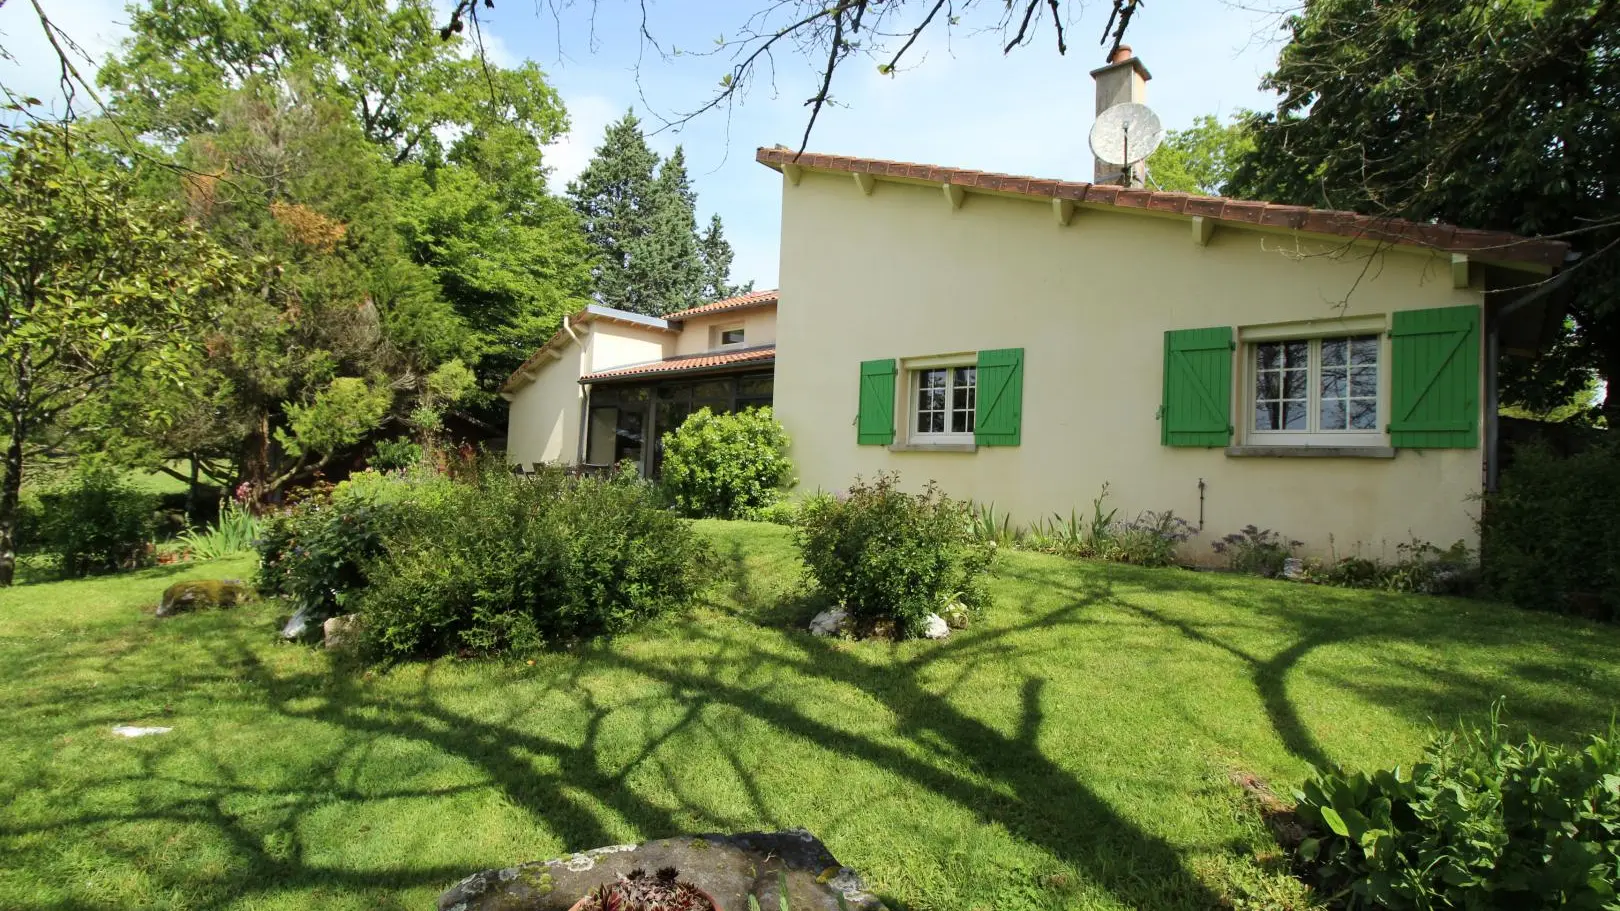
(887, 555)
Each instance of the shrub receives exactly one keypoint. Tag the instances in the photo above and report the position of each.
(317, 552)
(782, 512)
(892, 556)
(1418, 567)
(1259, 551)
(96, 523)
(1151, 540)
(502, 563)
(1550, 537)
(391, 455)
(1481, 822)
(726, 466)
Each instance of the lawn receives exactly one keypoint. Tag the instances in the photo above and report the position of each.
(1075, 750)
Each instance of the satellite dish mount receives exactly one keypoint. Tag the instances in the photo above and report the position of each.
(1125, 135)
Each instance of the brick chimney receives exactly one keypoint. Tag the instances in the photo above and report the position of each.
(1124, 79)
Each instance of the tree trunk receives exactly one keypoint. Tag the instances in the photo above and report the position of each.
(10, 494)
(191, 494)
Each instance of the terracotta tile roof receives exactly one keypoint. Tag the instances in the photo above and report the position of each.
(688, 363)
(753, 299)
(1496, 246)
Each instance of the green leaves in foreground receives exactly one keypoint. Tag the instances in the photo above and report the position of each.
(1479, 823)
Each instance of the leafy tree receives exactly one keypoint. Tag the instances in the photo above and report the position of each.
(95, 285)
(510, 257)
(337, 295)
(387, 62)
(714, 251)
(1497, 116)
(1202, 158)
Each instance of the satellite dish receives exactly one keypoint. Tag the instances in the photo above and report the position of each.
(1126, 133)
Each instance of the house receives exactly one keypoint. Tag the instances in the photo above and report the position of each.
(609, 383)
(1327, 375)
(1023, 342)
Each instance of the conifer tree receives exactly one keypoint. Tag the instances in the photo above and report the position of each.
(716, 254)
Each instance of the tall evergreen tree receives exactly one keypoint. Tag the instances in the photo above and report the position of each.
(613, 197)
(665, 260)
(715, 253)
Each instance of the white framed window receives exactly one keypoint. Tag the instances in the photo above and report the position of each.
(942, 401)
(1322, 391)
(728, 336)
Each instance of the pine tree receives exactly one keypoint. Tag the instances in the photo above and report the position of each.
(715, 253)
(665, 261)
(614, 197)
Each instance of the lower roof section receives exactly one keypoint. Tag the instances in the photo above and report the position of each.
(706, 362)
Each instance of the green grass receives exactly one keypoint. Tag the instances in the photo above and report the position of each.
(1072, 751)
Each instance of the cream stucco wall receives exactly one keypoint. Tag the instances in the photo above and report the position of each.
(617, 345)
(900, 274)
(543, 417)
(697, 335)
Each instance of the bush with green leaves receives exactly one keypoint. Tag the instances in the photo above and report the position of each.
(95, 522)
(317, 552)
(1255, 550)
(889, 555)
(1481, 822)
(1550, 537)
(391, 455)
(500, 563)
(726, 466)
(1418, 567)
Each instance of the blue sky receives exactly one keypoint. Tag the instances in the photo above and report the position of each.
(964, 104)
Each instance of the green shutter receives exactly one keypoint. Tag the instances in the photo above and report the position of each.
(1434, 382)
(875, 426)
(1197, 408)
(999, 407)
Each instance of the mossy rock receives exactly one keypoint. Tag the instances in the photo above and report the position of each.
(184, 597)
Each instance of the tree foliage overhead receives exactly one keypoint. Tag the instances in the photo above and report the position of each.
(406, 85)
(1498, 116)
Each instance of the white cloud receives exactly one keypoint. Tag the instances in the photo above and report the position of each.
(588, 119)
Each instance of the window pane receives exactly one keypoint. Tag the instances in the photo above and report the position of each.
(1268, 356)
(1296, 354)
(1267, 386)
(1334, 351)
(1332, 414)
(966, 376)
(1364, 350)
(1294, 416)
(1295, 384)
(1333, 383)
(1364, 414)
(756, 386)
(1364, 381)
(1265, 416)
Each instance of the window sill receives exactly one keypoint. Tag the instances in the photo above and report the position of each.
(1311, 452)
(933, 447)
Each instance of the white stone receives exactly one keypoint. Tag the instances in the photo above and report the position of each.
(341, 632)
(935, 627)
(1293, 569)
(829, 622)
(130, 730)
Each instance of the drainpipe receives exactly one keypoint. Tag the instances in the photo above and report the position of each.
(1493, 349)
(584, 400)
